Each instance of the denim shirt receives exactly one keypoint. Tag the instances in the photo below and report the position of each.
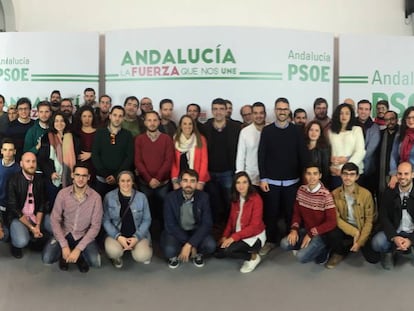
(140, 213)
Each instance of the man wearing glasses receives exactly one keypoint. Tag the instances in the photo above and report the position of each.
(76, 220)
(18, 128)
(112, 151)
(385, 148)
(355, 213)
(282, 157)
(27, 206)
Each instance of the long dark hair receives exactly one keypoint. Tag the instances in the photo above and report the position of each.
(235, 195)
(321, 142)
(52, 122)
(336, 122)
(403, 127)
(77, 122)
(178, 132)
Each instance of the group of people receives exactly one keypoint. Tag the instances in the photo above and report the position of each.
(234, 189)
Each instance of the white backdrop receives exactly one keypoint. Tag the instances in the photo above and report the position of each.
(241, 64)
(377, 67)
(34, 64)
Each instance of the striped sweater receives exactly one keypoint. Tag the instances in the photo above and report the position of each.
(315, 211)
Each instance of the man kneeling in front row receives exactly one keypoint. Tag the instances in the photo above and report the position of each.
(188, 223)
(76, 220)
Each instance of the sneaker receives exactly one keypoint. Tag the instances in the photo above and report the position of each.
(387, 261)
(322, 258)
(266, 248)
(333, 261)
(63, 265)
(173, 262)
(147, 262)
(198, 261)
(250, 265)
(117, 263)
(16, 252)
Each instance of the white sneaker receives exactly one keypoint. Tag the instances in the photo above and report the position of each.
(266, 248)
(117, 263)
(250, 265)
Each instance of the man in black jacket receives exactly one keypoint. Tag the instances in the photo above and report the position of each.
(397, 218)
(188, 223)
(27, 206)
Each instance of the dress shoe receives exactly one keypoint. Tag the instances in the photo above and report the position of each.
(82, 265)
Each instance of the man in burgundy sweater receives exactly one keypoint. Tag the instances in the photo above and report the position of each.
(154, 153)
(314, 217)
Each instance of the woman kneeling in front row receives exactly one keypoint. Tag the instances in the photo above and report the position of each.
(127, 220)
(245, 233)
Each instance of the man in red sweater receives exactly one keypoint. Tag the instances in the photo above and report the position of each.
(314, 217)
(154, 154)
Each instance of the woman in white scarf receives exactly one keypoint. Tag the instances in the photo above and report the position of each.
(190, 152)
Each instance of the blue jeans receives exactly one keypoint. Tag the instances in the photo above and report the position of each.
(315, 248)
(381, 244)
(19, 233)
(53, 251)
(171, 247)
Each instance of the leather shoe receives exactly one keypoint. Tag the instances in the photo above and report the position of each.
(63, 265)
(16, 252)
(82, 265)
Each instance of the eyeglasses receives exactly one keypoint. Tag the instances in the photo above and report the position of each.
(23, 108)
(80, 175)
(246, 114)
(389, 119)
(112, 137)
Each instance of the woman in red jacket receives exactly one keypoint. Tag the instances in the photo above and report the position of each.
(190, 152)
(245, 231)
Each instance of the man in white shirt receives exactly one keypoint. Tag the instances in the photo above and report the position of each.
(246, 159)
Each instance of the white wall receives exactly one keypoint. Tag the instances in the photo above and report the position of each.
(335, 16)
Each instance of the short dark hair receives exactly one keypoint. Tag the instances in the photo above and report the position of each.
(282, 100)
(350, 166)
(190, 172)
(55, 92)
(152, 112)
(2, 97)
(119, 108)
(102, 96)
(22, 101)
(299, 110)
(131, 98)
(44, 103)
(393, 112)
(365, 101)
(89, 89)
(80, 165)
(218, 101)
(7, 141)
(166, 101)
(67, 99)
(318, 101)
(384, 102)
(312, 165)
(195, 105)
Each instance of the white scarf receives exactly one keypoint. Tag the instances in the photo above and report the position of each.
(187, 146)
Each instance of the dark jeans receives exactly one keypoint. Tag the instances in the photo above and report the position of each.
(278, 204)
(171, 247)
(219, 190)
(341, 243)
(156, 200)
(239, 250)
(104, 188)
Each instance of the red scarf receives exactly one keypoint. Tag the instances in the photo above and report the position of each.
(407, 145)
